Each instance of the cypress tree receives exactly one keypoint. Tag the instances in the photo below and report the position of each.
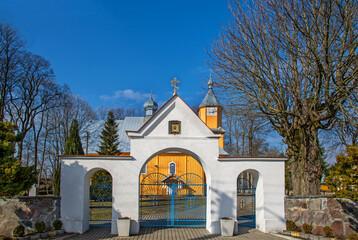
(109, 136)
(14, 178)
(73, 142)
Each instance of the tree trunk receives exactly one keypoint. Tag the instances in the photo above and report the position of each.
(305, 162)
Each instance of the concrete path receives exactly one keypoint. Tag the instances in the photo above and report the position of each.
(156, 233)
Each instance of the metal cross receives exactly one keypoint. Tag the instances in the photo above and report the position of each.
(174, 83)
(242, 204)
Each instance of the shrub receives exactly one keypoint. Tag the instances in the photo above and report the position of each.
(57, 224)
(40, 227)
(307, 228)
(291, 226)
(19, 231)
(353, 236)
(327, 231)
(4, 237)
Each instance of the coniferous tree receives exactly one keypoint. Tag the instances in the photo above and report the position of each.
(73, 143)
(14, 178)
(73, 147)
(342, 179)
(109, 136)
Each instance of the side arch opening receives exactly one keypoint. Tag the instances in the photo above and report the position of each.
(100, 199)
(246, 198)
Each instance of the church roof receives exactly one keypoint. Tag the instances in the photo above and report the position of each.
(210, 99)
(95, 128)
(150, 104)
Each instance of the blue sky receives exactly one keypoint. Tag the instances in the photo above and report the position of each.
(112, 53)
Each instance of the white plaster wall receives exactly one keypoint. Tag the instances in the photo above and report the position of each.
(196, 140)
(75, 177)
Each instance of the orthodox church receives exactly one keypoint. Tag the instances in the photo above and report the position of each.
(172, 163)
(172, 172)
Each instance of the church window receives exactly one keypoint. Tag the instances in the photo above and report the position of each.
(211, 111)
(172, 168)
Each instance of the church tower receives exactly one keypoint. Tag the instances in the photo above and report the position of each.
(210, 112)
(150, 107)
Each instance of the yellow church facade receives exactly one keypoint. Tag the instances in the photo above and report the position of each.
(176, 163)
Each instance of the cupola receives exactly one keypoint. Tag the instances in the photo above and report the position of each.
(210, 112)
(150, 107)
(210, 99)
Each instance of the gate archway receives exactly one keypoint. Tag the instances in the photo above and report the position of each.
(168, 200)
(246, 201)
(100, 200)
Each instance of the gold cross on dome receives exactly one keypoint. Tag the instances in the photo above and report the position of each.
(174, 83)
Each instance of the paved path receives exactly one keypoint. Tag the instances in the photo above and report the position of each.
(156, 233)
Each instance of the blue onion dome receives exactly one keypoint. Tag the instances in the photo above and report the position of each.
(150, 104)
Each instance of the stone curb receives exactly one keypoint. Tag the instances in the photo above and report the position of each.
(42, 235)
(305, 235)
(280, 235)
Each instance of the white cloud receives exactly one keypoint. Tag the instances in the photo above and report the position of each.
(126, 94)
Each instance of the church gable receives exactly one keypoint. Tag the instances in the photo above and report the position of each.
(174, 118)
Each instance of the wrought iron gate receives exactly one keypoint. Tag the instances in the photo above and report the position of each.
(100, 205)
(246, 202)
(173, 201)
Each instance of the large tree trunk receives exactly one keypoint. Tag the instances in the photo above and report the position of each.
(305, 162)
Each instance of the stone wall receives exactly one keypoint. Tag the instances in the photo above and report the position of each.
(27, 211)
(320, 211)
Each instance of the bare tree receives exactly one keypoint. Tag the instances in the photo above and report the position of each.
(35, 93)
(245, 128)
(11, 46)
(131, 112)
(102, 112)
(296, 61)
(118, 113)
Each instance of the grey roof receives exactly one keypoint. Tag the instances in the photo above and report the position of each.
(222, 152)
(95, 128)
(210, 99)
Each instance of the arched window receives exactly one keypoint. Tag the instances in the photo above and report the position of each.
(172, 168)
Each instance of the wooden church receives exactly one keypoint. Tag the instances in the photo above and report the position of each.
(171, 164)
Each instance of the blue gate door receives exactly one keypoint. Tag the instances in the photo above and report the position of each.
(246, 214)
(173, 201)
(100, 205)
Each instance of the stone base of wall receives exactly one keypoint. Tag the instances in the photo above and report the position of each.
(27, 211)
(320, 211)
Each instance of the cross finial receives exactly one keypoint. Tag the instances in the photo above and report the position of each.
(174, 83)
(210, 82)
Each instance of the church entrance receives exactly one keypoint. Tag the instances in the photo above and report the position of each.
(170, 200)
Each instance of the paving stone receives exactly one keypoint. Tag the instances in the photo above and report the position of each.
(157, 233)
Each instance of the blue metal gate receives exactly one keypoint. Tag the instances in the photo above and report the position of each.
(246, 214)
(100, 205)
(173, 201)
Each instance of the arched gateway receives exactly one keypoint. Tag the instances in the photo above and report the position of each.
(171, 190)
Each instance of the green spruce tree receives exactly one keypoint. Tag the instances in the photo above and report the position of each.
(73, 142)
(14, 179)
(73, 147)
(109, 136)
